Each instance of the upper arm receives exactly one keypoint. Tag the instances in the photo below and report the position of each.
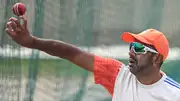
(106, 71)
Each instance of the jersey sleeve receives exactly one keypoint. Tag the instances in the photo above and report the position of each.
(105, 72)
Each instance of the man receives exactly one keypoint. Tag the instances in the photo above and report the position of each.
(141, 80)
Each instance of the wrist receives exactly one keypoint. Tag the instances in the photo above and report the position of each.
(33, 42)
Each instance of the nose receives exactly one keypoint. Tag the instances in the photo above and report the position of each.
(131, 53)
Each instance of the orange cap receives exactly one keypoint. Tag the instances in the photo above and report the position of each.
(151, 37)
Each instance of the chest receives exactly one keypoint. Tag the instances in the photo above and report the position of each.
(129, 90)
(140, 94)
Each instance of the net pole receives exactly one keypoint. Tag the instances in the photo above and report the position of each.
(11, 67)
(85, 19)
(34, 59)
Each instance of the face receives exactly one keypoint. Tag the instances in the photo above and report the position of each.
(140, 62)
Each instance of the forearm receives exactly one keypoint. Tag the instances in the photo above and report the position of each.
(66, 51)
(56, 48)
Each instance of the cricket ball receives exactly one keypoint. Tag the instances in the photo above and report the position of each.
(19, 9)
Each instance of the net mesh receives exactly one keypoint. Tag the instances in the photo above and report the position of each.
(30, 75)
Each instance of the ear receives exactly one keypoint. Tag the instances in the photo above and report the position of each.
(157, 58)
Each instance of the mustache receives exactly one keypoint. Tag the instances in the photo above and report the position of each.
(132, 59)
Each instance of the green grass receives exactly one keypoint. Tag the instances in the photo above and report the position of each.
(58, 67)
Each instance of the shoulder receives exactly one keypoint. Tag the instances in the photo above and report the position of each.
(172, 87)
(103, 60)
(172, 84)
(106, 64)
(105, 72)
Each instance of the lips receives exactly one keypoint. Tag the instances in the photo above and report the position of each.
(131, 62)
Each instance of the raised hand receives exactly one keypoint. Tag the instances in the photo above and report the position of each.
(19, 32)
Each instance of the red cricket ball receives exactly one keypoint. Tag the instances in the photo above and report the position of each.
(19, 9)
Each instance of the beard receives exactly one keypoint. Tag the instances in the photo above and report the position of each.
(137, 69)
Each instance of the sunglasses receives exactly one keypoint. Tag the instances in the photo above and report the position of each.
(139, 48)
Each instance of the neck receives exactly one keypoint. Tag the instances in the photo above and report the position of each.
(150, 77)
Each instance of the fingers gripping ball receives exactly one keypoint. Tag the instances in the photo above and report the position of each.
(19, 9)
